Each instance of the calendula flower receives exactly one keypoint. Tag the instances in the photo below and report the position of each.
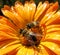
(29, 29)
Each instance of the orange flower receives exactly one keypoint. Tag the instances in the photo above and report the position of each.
(20, 27)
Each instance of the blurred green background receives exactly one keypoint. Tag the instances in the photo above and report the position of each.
(11, 2)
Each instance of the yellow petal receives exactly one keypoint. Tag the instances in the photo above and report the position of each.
(21, 20)
(40, 3)
(47, 17)
(32, 8)
(8, 22)
(54, 18)
(53, 7)
(54, 47)
(53, 26)
(22, 51)
(55, 36)
(27, 11)
(30, 52)
(6, 43)
(13, 42)
(40, 11)
(53, 30)
(4, 36)
(19, 9)
(12, 15)
(6, 28)
(5, 50)
(42, 51)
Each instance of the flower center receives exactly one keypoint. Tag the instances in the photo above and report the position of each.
(31, 35)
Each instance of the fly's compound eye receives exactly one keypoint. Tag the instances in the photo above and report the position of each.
(31, 25)
(23, 31)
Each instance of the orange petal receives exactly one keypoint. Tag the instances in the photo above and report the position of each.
(8, 29)
(14, 17)
(53, 40)
(41, 11)
(50, 52)
(53, 28)
(4, 36)
(47, 17)
(54, 7)
(55, 18)
(8, 22)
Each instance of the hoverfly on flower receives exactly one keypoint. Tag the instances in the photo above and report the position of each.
(27, 28)
(31, 37)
